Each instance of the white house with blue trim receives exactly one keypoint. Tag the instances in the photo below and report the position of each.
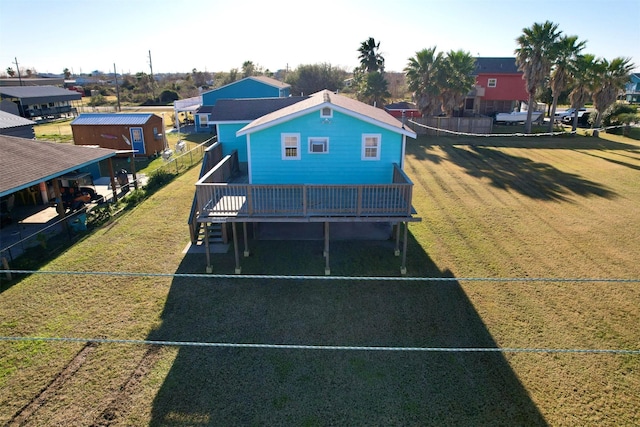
(323, 159)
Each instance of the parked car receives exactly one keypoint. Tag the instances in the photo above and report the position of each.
(583, 119)
(560, 115)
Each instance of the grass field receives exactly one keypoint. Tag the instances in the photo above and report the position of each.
(563, 207)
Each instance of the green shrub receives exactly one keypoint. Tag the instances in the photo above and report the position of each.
(157, 180)
(617, 115)
(133, 198)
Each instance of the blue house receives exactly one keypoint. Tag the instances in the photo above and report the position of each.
(632, 89)
(228, 116)
(323, 160)
(249, 87)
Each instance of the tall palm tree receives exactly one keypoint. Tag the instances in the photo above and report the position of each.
(611, 78)
(534, 57)
(370, 58)
(582, 71)
(422, 78)
(456, 79)
(566, 49)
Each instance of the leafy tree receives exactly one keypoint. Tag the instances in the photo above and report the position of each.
(231, 77)
(308, 79)
(534, 57)
(370, 58)
(168, 96)
(423, 71)
(11, 72)
(455, 79)
(565, 52)
(610, 80)
(582, 77)
(67, 73)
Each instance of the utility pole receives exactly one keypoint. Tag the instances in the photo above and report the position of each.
(115, 74)
(153, 81)
(18, 69)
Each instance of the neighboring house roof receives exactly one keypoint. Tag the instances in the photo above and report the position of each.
(263, 79)
(26, 162)
(8, 120)
(324, 99)
(248, 109)
(496, 66)
(112, 119)
(402, 105)
(38, 94)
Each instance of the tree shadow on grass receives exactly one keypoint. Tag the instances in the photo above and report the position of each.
(508, 172)
(251, 386)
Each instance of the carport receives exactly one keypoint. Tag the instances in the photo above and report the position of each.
(26, 165)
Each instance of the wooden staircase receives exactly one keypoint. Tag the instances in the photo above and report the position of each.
(198, 230)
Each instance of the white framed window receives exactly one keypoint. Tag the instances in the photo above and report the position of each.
(204, 120)
(318, 145)
(326, 113)
(492, 82)
(290, 146)
(371, 146)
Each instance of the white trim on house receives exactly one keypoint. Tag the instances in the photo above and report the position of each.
(320, 142)
(285, 146)
(366, 137)
(249, 174)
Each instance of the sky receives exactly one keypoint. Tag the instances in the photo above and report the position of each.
(214, 36)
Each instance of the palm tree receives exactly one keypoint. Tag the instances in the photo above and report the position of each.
(370, 58)
(422, 78)
(534, 57)
(456, 79)
(611, 78)
(565, 52)
(581, 71)
(374, 90)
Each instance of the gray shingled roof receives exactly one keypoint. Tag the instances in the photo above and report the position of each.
(112, 119)
(340, 103)
(496, 66)
(244, 110)
(26, 162)
(8, 120)
(39, 94)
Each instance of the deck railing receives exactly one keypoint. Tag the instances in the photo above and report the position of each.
(221, 199)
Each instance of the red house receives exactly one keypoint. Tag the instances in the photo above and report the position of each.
(500, 87)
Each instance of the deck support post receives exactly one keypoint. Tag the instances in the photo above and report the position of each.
(396, 252)
(327, 269)
(235, 247)
(246, 239)
(207, 249)
(403, 267)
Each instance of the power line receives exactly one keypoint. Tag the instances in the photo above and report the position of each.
(339, 278)
(325, 347)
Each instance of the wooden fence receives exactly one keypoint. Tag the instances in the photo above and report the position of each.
(440, 125)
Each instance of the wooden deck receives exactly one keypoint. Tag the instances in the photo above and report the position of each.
(222, 200)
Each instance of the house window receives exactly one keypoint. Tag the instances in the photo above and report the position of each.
(492, 83)
(326, 113)
(318, 145)
(204, 120)
(371, 146)
(290, 146)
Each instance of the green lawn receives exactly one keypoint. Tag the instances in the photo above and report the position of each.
(562, 207)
